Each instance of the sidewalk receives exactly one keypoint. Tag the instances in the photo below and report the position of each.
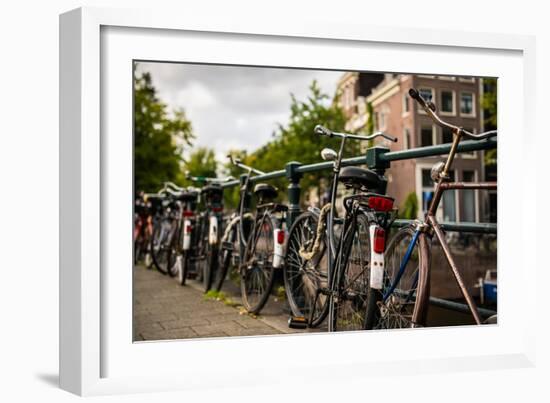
(165, 310)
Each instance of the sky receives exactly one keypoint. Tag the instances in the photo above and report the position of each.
(233, 107)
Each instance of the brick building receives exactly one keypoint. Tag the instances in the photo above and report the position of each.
(457, 100)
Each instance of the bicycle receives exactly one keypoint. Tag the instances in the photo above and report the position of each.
(209, 227)
(143, 229)
(253, 241)
(171, 232)
(405, 295)
(332, 274)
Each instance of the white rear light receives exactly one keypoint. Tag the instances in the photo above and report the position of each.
(213, 230)
(376, 258)
(187, 228)
(279, 240)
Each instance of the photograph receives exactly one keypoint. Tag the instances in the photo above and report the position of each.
(273, 200)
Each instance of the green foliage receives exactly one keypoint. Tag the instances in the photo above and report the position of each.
(220, 296)
(159, 138)
(296, 140)
(410, 207)
(489, 105)
(201, 162)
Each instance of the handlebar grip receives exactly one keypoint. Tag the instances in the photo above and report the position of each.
(319, 129)
(416, 96)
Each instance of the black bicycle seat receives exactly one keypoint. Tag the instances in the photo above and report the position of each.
(360, 177)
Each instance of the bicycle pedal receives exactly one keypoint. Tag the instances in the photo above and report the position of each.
(297, 322)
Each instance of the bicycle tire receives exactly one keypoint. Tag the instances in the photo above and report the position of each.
(184, 268)
(254, 268)
(407, 306)
(354, 298)
(172, 266)
(158, 249)
(304, 278)
(225, 255)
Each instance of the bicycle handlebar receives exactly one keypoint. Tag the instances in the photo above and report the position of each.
(323, 131)
(429, 108)
(237, 162)
(172, 185)
(205, 179)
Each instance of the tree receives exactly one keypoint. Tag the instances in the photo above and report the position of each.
(202, 162)
(489, 105)
(410, 207)
(296, 140)
(159, 138)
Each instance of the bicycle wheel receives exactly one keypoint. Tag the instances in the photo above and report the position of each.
(162, 245)
(199, 250)
(173, 253)
(147, 260)
(257, 269)
(303, 278)
(184, 268)
(354, 297)
(229, 245)
(406, 306)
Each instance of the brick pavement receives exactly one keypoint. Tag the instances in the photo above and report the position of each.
(165, 310)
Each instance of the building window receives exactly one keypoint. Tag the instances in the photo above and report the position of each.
(448, 78)
(426, 136)
(406, 139)
(468, 198)
(449, 202)
(382, 121)
(405, 104)
(448, 102)
(427, 94)
(467, 104)
(466, 79)
(427, 189)
(446, 135)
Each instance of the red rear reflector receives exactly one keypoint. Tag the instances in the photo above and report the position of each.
(380, 203)
(379, 243)
(187, 213)
(280, 237)
(217, 209)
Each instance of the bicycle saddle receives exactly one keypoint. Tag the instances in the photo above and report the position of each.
(187, 195)
(265, 191)
(360, 177)
(212, 188)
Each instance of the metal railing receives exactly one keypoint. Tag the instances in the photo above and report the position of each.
(379, 159)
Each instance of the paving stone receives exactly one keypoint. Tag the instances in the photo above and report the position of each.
(176, 324)
(164, 310)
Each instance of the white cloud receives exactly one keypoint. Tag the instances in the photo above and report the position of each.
(233, 107)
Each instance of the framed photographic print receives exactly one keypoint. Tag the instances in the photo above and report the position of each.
(326, 193)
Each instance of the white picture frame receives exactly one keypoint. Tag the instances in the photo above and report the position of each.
(96, 354)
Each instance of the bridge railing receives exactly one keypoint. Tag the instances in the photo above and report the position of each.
(378, 159)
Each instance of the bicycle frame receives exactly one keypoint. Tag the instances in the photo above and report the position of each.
(337, 259)
(430, 224)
